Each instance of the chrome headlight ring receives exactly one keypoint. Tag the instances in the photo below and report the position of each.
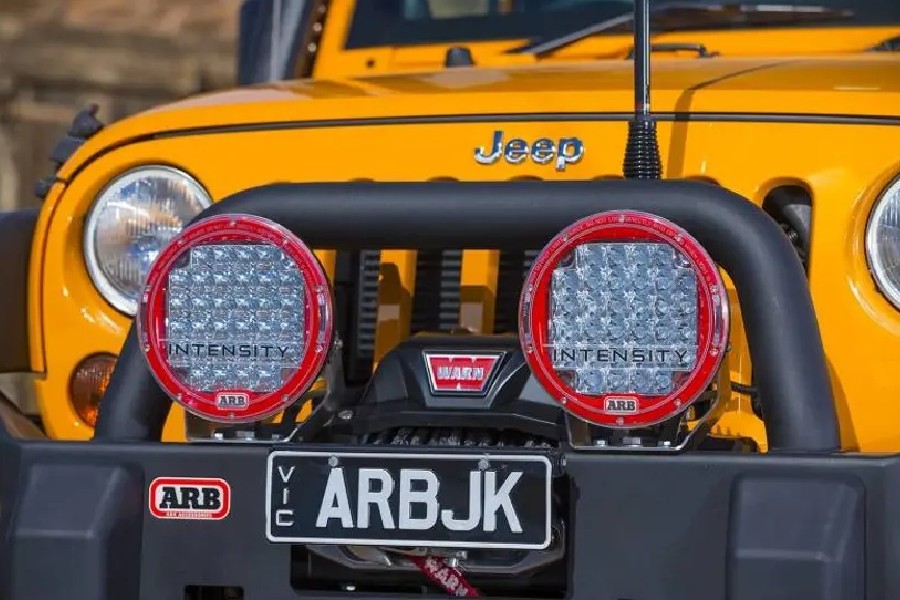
(130, 222)
(882, 242)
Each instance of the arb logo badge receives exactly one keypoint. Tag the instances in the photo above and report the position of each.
(460, 373)
(197, 498)
(621, 406)
(232, 400)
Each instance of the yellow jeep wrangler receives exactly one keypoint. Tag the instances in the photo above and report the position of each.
(463, 312)
(794, 107)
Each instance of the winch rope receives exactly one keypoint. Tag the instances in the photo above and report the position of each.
(449, 578)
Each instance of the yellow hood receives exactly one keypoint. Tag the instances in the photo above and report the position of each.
(867, 85)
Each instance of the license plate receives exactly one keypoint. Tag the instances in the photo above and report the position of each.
(391, 499)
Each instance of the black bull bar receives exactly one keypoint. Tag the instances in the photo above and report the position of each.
(785, 346)
(801, 522)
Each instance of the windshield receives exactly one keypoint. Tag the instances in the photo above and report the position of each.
(410, 22)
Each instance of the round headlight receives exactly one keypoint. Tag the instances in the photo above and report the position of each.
(131, 220)
(883, 243)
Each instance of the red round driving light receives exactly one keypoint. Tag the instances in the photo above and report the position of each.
(624, 319)
(236, 318)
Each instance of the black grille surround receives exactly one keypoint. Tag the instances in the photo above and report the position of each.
(513, 268)
(436, 295)
(359, 333)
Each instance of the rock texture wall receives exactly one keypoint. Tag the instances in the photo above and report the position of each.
(56, 56)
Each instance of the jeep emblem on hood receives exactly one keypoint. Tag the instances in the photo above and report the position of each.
(568, 151)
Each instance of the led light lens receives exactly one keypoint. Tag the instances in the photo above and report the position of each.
(624, 319)
(252, 332)
(236, 319)
(131, 221)
(883, 243)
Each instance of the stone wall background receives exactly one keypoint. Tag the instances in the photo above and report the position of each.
(56, 56)
(126, 55)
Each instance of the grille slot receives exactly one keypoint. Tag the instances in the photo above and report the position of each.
(367, 307)
(512, 268)
(359, 333)
(436, 299)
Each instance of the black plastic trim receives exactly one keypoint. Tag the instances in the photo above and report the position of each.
(16, 234)
(85, 125)
(458, 56)
(827, 542)
(785, 344)
(256, 19)
(96, 529)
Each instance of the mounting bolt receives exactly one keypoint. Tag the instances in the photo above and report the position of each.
(332, 461)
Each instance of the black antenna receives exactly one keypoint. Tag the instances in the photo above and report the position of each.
(642, 150)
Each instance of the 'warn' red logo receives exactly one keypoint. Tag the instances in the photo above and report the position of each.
(189, 498)
(460, 373)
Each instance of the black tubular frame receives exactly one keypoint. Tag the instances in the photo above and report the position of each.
(783, 335)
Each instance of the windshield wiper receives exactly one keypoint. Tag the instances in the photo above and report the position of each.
(694, 14)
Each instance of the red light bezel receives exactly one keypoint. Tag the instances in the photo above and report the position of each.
(534, 312)
(318, 311)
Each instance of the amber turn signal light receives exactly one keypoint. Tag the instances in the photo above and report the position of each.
(88, 383)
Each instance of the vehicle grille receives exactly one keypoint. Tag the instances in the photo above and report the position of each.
(436, 297)
(435, 304)
(368, 299)
(512, 270)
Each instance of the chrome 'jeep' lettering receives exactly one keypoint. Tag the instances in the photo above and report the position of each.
(568, 151)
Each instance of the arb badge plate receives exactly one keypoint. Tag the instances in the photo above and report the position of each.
(392, 499)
